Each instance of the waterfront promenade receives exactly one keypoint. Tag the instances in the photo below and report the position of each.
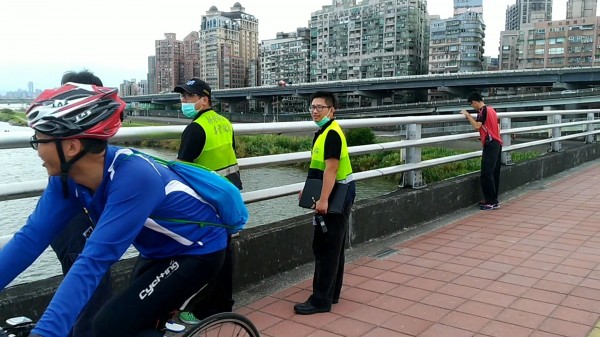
(528, 269)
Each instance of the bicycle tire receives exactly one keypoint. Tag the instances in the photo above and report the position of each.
(238, 326)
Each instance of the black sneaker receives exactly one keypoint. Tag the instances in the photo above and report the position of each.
(496, 205)
(481, 203)
(487, 207)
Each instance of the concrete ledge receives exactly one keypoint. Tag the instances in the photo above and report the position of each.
(271, 249)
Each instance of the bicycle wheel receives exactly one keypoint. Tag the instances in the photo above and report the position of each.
(225, 324)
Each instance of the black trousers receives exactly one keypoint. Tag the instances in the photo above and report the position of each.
(490, 171)
(156, 288)
(328, 249)
(67, 246)
(218, 295)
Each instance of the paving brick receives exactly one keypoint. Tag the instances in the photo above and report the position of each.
(564, 328)
(348, 327)
(501, 329)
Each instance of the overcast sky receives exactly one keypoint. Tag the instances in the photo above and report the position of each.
(41, 39)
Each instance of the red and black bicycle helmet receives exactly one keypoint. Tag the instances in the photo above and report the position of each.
(77, 111)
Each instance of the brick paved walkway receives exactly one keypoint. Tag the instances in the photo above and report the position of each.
(528, 269)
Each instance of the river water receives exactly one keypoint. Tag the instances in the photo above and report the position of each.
(19, 165)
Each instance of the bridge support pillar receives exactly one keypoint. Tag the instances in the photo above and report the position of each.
(376, 101)
(414, 178)
(548, 119)
(590, 128)
(556, 133)
(268, 110)
(506, 158)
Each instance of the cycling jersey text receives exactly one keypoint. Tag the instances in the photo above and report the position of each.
(170, 269)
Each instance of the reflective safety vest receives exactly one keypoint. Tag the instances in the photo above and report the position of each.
(317, 161)
(217, 154)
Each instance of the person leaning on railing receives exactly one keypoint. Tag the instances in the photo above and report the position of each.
(131, 200)
(489, 133)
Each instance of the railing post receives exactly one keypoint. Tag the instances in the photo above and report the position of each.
(506, 158)
(590, 127)
(556, 133)
(413, 178)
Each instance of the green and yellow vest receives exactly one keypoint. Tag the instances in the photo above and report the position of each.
(217, 154)
(317, 161)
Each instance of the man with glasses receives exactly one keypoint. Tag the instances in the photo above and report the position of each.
(70, 242)
(208, 141)
(131, 200)
(330, 163)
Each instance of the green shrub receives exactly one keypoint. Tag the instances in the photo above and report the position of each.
(360, 136)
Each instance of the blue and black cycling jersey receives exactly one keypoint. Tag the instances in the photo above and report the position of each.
(127, 208)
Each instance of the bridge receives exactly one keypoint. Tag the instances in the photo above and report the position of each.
(417, 266)
(16, 101)
(457, 83)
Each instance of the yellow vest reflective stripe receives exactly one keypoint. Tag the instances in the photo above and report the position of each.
(217, 154)
(317, 161)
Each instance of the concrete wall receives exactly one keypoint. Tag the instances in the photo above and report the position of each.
(271, 249)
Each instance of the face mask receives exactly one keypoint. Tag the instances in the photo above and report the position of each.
(323, 121)
(188, 110)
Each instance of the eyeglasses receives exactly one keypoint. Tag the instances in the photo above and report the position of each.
(34, 141)
(319, 108)
(186, 96)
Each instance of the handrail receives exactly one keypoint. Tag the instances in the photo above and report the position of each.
(19, 139)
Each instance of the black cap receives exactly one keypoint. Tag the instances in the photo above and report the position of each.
(194, 86)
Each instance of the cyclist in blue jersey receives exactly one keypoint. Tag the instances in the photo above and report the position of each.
(129, 199)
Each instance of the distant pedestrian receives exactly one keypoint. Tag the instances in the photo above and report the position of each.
(208, 140)
(489, 133)
(330, 163)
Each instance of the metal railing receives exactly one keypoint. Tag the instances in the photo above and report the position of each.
(583, 127)
(412, 144)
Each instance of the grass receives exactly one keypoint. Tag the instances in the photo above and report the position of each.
(262, 145)
(13, 117)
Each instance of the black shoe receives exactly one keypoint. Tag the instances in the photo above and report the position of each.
(335, 301)
(307, 308)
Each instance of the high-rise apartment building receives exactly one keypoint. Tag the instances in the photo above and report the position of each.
(456, 44)
(468, 6)
(527, 11)
(175, 62)
(512, 17)
(508, 57)
(373, 38)
(581, 8)
(557, 44)
(228, 46)
(129, 88)
(152, 75)
(287, 58)
(191, 56)
(169, 66)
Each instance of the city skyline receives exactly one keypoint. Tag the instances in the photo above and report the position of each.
(114, 39)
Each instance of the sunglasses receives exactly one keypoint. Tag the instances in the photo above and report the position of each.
(34, 141)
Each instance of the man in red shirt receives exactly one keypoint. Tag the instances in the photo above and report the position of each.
(489, 133)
